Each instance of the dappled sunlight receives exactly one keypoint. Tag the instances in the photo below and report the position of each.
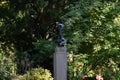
(28, 37)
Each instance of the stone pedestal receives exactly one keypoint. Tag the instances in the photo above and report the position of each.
(60, 63)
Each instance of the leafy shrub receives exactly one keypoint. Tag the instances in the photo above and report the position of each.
(7, 65)
(112, 73)
(36, 74)
(77, 67)
(94, 30)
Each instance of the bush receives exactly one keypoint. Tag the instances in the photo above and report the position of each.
(36, 74)
(7, 65)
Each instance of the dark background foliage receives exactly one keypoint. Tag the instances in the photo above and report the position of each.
(28, 32)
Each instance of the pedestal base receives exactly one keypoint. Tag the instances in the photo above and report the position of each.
(60, 63)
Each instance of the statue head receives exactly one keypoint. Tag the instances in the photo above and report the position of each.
(60, 25)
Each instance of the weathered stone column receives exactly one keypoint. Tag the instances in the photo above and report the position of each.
(60, 63)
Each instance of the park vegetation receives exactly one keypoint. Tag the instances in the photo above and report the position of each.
(28, 38)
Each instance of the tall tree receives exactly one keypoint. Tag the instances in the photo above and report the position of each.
(24, 23)
(94, 30)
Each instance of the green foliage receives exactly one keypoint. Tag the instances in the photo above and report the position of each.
(111, 74)
(77, 67)
(23, 23)
(36, 74)
(94, 31)
(7, 65)
(40, 55)
(45, 50)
